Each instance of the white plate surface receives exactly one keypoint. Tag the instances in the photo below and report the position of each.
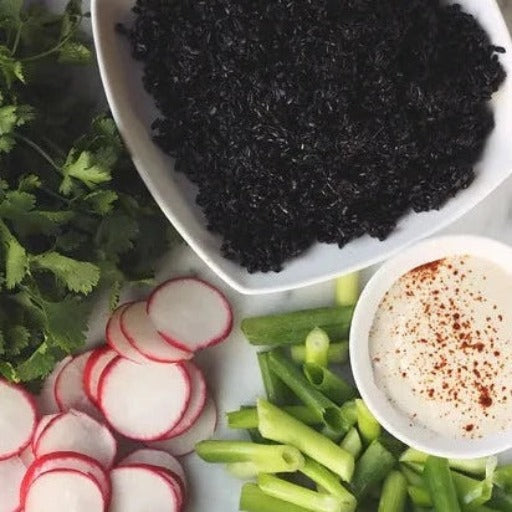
(134, 111)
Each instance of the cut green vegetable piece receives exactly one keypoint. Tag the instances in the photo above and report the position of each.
(328, 383)
(327, 481)
(372, 468)
(248, 418)
(411, 476)
(394, 493)
(368, 426)
(348, 289)
(301, 496)
(275, 457)
(293, 328)
(439, 482)
(470, 466)
(279, 426)
(500, 500)
(297, 382)
(392, 444)
(352, 443)
(472, 492)
(336, 354)
(419, 496)
(247, 470)
(317, 347)
(503, 477)
(277, 392)
(253, 499)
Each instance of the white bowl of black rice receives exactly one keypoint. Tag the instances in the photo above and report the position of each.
(291, 141)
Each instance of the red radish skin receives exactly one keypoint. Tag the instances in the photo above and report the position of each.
(11, 475)
(186, 305)
(142, 335)
(27, 456)
(197, 401)
(46, 400)
(203, 429)
(18, 419)
(157, 458)
(64, 490)
(117, 340)
(96, 364)
(67, 460)
(77, 432)
(144, 402)
(69, 388)
(139, 489)
(172, 478)
(41, 426)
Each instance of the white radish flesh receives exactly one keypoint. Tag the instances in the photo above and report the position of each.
(142, 335)
(64, 490)
(203, 429)
(67, 460)
(69, 388)
(17, 419)
(190, 313)
(77, 432)
(144, 402)
(157, 458)
(139, 489)
(43, 423)
(197, 400)
(46, 402)
(117, 340)
(94, 368)
(11, 475)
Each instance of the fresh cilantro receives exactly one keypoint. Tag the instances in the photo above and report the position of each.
(74, 214)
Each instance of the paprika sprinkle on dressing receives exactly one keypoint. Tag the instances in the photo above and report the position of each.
(443, 352)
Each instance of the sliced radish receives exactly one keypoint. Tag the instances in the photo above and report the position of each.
(67, 460)
(197, 400)
(203, 429)
(144, 402)
(46, 400)
(156, 458)
(11, 475)
(18, 419)
(117, 340)
(142, 335)
(27, 456)
(77, 432)
(69, 388)
(142, 489)
(64, 490)
(43, 423)
(97, 362)
(190, 313)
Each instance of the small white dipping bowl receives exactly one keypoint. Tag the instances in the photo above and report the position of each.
(388, 415)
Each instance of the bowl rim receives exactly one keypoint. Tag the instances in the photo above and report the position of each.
(307, 269)
(389, 416)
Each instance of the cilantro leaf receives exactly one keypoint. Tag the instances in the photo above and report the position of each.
(116, 233)
(8, 372)
(16, 260)
(101, 201)
(77, 276)
(74, 53)
(39, 364)
(83, 168)
(18, 338)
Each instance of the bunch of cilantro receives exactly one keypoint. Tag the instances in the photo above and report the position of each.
(74, 216)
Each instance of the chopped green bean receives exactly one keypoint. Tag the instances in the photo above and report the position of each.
(411, 476)
(352, 443)
(372, 468)
(277, 392)
(317, 347)
(471, 492)
(500, 500)
(419, 496)
(368, 426)
(253, 499)
(336, 354)
(279, 426)
(248, 418)
(503, 477)
(293, 328)
(394, 493)
(328, 383)
(347, 289)
(439, 482)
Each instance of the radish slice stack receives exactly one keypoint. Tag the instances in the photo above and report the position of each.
(143, 385)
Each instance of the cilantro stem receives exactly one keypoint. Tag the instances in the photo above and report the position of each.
(17, 39)
(38, 149)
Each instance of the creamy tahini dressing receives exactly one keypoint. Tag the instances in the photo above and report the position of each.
(441, 346)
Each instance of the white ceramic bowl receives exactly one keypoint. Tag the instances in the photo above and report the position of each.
(392, 419)
(134, 111)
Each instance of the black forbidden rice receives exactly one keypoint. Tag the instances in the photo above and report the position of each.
(316, 120)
